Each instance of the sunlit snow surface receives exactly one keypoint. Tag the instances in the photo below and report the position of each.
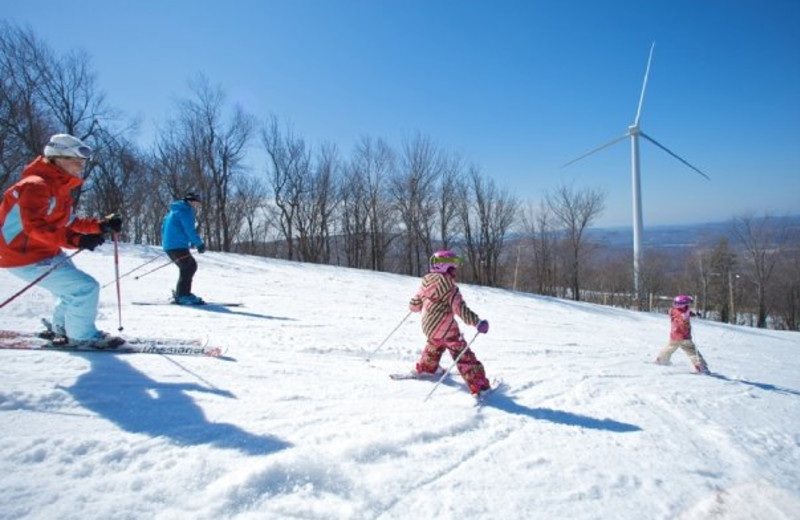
(295, 422)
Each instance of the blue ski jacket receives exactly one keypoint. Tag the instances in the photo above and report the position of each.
(178, 230)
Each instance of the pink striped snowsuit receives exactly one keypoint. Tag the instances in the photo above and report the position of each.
(440, 299)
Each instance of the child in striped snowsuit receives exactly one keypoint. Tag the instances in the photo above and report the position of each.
(440, 301)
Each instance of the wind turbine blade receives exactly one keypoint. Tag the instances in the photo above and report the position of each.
(672, 154)
(644, 85)
(587, 154)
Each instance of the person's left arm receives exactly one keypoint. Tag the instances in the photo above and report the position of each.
(460, 308)
(190, 227)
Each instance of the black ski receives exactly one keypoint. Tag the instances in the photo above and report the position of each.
(211, 304)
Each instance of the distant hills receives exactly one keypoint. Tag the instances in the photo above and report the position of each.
(683, 236)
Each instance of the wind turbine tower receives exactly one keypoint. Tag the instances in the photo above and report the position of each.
(634, 132)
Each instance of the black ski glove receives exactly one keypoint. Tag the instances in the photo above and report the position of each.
(90, 241)
(201, 248)
(112, 222)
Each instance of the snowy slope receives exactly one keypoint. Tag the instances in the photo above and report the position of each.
(297, 424)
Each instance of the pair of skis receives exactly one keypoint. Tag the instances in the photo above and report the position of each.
(480, 398)
(16, 340)
(204, 304)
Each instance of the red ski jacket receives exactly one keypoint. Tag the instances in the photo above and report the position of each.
(680, 325)
(36, 218)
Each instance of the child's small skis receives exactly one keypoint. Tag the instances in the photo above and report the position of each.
(413, 374)
(440, 375)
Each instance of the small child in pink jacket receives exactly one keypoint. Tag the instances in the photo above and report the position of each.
(441, 301)
(680, 335)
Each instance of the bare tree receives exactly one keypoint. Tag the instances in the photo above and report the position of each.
(215, 152)
(788, 290)
(538, 226)
(486, 215)
(575, 210)
(249, 201)
(288, 170)
(368, 220)
(451, 189)
(354, 216)
(723, 261)
(313, 218)
(120, 183)
(701, 266)
(43, 94)
(762, 242)
(615, 279)
(382, 220)
(654, 275)
(69, 93)
(413, 190)
(24, 124)
(147, 205)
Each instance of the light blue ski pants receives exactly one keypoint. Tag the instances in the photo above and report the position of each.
(77, 295)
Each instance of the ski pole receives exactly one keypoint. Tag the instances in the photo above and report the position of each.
(40, 278)
(132, 270)
(452, 365)
(116, 273)
(389, 336)
(162, 266)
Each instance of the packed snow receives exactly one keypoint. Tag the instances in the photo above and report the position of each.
(299, 419)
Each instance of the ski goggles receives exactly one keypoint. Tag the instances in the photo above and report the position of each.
(445, 260)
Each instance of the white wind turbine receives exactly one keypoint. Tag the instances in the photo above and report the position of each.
(634, 132)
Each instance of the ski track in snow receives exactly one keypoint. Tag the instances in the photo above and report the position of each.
(296, 423)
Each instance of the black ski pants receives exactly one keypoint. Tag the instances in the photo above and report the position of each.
(188, 266)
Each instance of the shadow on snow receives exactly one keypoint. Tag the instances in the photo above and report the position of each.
(763, 386)
(210, 307)
(506, 404)
(138, 404)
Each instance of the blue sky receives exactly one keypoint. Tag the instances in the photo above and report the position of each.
(517, 88)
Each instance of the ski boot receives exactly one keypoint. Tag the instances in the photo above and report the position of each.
(53, 333)
(189, 299)
(100, 341)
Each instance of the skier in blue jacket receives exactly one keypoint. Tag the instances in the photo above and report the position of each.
(178, 234)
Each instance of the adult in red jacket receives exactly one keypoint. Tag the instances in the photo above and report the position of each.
(36, 221)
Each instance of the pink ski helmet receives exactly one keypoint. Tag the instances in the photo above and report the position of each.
(442, 261)
(682, 300)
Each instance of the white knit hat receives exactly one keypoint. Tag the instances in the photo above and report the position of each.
(65, 145)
